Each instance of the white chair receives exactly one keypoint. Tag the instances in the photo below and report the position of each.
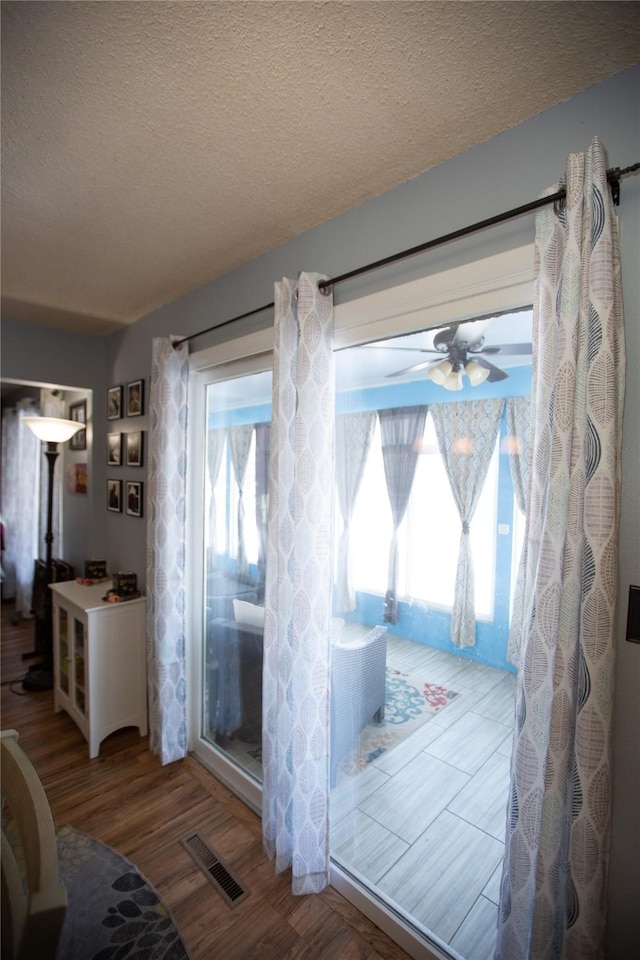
(34, 901)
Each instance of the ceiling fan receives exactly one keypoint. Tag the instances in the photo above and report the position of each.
(460, 349)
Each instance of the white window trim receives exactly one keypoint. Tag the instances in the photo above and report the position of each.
(485, 287)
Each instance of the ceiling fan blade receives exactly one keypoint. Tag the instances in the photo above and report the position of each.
(412, 369)
(495, 373)
(386, 346)
(470, 332)
(514, 349)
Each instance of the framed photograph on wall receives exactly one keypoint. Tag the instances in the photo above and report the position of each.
(114, 449)
(78, 412)
(114, 403)
(133, 456)
(135, 398)
(114, 495)
(134, 498)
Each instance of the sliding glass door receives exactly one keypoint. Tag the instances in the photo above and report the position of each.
(421, 684)
(232, 563)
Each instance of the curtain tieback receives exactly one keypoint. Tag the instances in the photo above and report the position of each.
(465, 526)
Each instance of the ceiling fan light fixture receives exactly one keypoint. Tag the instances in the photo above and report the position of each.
(453, 381)
(440, 371)
(476, 372)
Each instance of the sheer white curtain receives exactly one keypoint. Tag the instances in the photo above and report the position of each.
(519, 448)
(215, 447)
(353, 439)
(166, 549)
(263, 443)
(21, 465)
(239, 438)
(467, 433)
(401, 430)
(295, 794)
(554, 882)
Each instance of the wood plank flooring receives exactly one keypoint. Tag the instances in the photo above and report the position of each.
(125, 798)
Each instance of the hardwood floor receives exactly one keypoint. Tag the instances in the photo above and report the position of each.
(128, 800)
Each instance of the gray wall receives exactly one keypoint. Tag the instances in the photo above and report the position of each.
(77, 363)
(507, 171)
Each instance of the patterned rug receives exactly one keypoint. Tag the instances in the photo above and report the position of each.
(409, 703)
(113, 910)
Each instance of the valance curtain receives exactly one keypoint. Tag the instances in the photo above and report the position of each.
(21, 463)
(466, 433)
(401, 432)
(518, 418)
(239, 438)
(166, 531)
(295, 793)
(554, 881)
(353, 440)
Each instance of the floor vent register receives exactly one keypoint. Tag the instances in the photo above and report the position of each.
(215, 869)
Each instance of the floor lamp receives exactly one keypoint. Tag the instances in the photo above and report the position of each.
(52, 431)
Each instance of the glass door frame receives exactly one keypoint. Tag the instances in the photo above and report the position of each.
(484, 287)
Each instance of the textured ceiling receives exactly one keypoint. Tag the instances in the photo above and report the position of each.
(148, 147)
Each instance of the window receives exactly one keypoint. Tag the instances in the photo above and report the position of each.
(429, 536)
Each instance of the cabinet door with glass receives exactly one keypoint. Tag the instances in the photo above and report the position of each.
(79, 690)
(63, 667)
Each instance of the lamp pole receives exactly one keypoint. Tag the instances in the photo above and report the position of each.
(51, 431)
(51, 453)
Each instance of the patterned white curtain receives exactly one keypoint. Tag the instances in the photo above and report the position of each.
(467, 433)
(21, 463)
(554, 883)
(401, 430)
(240, 444)
(295, 748)
(353, 439)
(518, 448)
(166, 549)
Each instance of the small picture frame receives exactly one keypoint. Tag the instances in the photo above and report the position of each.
(114, 403)
(78, 412)
(114, 496)
(133, 443)
(134, 498)
(114, 449)
(135, 398)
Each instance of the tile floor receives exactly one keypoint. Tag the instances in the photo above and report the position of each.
(425, 822)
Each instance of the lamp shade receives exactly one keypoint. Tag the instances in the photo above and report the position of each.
(53, 429)
(440, 371)
(453, 381)
(476, 372)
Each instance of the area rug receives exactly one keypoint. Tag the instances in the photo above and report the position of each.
(409, 703)
(114, 912)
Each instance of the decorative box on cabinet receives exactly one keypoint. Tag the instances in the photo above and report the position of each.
(100, 674)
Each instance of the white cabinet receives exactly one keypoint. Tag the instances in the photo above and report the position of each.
(100, 674)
